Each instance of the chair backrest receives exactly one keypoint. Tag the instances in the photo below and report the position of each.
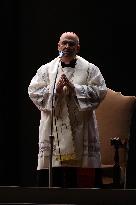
(114, 119)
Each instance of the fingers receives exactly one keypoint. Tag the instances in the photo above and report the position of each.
(64, 82)
(60, 85)
(64, 79)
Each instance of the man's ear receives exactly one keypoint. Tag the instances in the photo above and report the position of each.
(78, 48)
(58, 46)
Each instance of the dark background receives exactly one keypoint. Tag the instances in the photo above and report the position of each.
(30, 32)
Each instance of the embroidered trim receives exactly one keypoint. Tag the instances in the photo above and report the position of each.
(66, 157)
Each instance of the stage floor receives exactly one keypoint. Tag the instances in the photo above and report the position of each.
(41, 195)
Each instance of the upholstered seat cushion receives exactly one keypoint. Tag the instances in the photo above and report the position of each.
(114, 118)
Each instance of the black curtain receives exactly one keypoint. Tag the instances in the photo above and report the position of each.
(29, 35)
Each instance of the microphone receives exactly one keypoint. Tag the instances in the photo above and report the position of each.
(61, 53)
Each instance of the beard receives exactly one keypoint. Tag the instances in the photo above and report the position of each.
(69, 53)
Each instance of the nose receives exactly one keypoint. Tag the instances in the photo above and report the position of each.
(67, 45)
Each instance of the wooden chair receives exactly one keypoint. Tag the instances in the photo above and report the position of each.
(114, 120)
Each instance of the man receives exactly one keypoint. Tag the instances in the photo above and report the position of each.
(67, 91)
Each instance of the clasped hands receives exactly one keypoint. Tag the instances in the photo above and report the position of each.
(64, 85)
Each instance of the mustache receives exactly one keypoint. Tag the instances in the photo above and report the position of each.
(67, 52)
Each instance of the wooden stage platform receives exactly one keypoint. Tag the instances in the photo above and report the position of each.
(41, 195)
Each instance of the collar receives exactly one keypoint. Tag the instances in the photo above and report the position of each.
(71, 64)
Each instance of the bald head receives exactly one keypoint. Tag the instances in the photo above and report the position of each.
(70, 35)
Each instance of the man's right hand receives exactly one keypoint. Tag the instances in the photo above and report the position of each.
(64, 83)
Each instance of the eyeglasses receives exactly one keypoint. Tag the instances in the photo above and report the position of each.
(70, 43)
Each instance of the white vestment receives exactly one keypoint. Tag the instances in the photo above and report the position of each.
(76, 138)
